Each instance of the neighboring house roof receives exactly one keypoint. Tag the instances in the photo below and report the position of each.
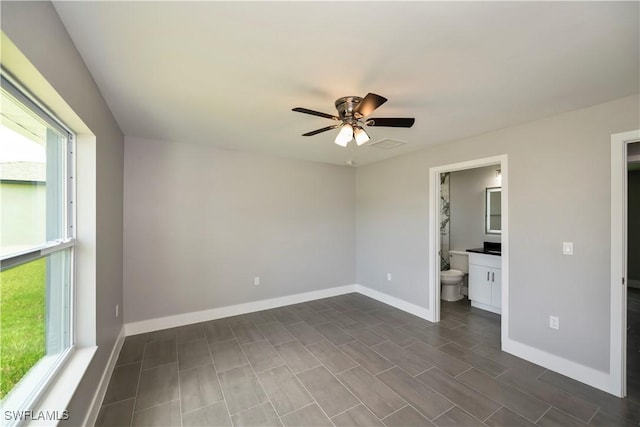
(23, 171)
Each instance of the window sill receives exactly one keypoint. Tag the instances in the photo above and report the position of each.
(51, 406)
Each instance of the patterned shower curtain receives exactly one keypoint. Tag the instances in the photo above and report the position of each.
(444, 221)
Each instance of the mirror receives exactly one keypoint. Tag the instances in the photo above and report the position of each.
(493, 209)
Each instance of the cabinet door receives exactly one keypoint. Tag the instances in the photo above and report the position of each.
(496, 287)
(479, 286)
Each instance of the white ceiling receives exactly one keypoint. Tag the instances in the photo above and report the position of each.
(227, 74)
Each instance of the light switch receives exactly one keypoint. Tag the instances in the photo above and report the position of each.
(554, 322)
(567, 248)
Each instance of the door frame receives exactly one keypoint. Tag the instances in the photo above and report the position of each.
(618, 334)
(434, 233)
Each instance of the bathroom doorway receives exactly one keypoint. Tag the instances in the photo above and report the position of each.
(623, 349)
(435, 226)
(633, 271)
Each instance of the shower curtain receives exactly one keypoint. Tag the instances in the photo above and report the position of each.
(444, 221)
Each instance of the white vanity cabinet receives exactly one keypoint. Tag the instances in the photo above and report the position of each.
(485, 281)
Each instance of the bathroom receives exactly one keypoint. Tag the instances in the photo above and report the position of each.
(470, 237)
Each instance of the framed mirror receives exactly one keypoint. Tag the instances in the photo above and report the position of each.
(493, 210)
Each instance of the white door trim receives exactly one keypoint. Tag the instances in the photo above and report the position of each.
(618, 362)
(434, 233)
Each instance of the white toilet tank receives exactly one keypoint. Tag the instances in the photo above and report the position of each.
(459, 260)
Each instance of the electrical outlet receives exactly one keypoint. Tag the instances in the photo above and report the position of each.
(256, 281)
(117, 310)
(554, 322)
(388, 277)
(567, 248)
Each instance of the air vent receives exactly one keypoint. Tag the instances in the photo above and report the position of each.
(386, 144)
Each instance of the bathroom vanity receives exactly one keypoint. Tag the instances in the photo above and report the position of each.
(485, 263)
(485, 279)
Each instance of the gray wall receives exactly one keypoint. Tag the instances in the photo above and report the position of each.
(633, 228)
(559, 190)
(467, 207)
(201, 223)
(34, 27)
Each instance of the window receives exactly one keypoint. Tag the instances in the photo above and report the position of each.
(36, 246)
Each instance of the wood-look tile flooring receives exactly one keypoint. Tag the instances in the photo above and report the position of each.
(345, 361)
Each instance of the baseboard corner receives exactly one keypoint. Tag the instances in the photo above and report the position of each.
(98, 397)
(156, 324)
(416, 310)
(577, 371)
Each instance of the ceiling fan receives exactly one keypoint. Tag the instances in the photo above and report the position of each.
(352, 113)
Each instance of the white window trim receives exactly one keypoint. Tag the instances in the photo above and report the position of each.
(64, 386)
(49, 385)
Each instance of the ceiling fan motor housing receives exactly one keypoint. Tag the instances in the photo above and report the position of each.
(346, 106)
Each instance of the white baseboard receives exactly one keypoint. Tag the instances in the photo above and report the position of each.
(398, 303)
(160, 323)
(96, 403)
(585, 374)
(598, 379)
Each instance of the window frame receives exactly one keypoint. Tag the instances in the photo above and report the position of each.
(32, 388)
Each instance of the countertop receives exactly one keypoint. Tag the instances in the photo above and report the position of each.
(485, 251)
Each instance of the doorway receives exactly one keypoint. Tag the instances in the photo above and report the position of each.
(633, 271)
(500, 162)
(619, 345)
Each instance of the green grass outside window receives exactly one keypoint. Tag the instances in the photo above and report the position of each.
(22, 321)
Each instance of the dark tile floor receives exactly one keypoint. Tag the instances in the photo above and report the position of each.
(345, 361)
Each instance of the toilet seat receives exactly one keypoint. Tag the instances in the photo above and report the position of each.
(451, 273)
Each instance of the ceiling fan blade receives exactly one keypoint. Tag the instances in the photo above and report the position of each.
(394, 122)
(317, 131)
(315, 113)
(368, 104)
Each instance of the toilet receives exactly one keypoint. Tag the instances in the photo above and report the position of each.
(452, 280)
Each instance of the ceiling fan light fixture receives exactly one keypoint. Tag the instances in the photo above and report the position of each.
(344, 136)
(360, 135)
(352, 113)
